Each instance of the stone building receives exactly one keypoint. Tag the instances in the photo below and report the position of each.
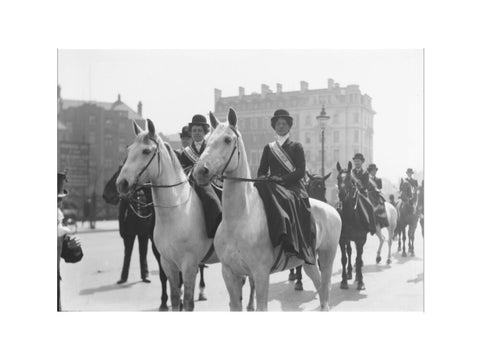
(349, 129)
(92, 141)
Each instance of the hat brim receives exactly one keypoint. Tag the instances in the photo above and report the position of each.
(198, 124)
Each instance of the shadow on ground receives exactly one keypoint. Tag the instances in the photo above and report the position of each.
(110, 287)
(289, 298)
(418, 279)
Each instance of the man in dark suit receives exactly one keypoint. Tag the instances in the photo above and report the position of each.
(374, 194)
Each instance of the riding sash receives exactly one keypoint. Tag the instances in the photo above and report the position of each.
(191, 154)
(282, 157)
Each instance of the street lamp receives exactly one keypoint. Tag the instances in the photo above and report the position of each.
(322, 120)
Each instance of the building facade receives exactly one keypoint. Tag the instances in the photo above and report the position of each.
(92, 141)
(348, 131)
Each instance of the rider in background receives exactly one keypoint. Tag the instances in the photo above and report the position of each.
(285, 198)
(375, 196)
(361, 179)
(186, 140)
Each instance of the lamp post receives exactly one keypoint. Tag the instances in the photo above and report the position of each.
(322, 120)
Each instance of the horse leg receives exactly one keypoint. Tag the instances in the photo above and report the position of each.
(314, 274)
(298, 283)
(291, 276)
(173, 275)
(234, 287)
(261, 279)
(381, 239)
(201, 296)
(349, 253)
(390, 241)
(189, 271)
(344, 283)
(359, 264)
(404, 238)
(326, 258)
(411, 237)
(251, 299)
(163, 280)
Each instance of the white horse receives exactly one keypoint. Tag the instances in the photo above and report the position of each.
(392, 217)
(180, 234)
(242, 241)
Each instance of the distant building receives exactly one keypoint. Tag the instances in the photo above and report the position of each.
(92, 141)
(349, 130)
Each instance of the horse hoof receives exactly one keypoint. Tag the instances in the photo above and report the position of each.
(324, 308)
(299, 286)
(389, 261)
(202, 297)
(378, 259)
(163, 307)
(412, 253)
(292, 277)
(361, 286)
(344, 285)
(404, 254)
(250, 308)
(349, 275)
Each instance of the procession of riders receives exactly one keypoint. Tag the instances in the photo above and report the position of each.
(280, 183)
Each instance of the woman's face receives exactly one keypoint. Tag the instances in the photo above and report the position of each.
(281, 127)
(198, 133)
(357, 163)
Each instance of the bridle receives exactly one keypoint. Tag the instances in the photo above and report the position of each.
(136, 187)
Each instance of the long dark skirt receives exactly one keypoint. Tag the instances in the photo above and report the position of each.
(212, 208)
(378, 203)
(289, 219)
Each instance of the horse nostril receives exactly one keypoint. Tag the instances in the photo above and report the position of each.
(205, 170)
(122, 186)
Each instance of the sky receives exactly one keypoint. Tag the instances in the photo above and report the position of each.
(173, 85)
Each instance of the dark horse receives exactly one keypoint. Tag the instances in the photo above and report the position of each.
(316, 189)
(421, 206)
(408, 216)
(137, 224)
(352, 227)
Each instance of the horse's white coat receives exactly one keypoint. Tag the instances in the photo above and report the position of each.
(242, 241)
(392, 216)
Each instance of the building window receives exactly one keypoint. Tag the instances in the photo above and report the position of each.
(356, 136)
(108, 122)
(336, 155)
(335, 119)
(259, 123)
(356, 117)
(336, 136)
(247, 123)
(308, 140)
(307, 155)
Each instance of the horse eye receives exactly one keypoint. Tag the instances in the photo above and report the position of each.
(146, 151)
(228, 140)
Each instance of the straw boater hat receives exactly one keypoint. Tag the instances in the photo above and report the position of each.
(61, 180)
(410, 171)
(185, 133)
(199, 120)
(359, 157)
(281, 114)
(372, 167)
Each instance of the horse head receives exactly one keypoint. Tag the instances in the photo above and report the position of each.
(222, 152)
(345, 182)
(316, 186)
(143, 162)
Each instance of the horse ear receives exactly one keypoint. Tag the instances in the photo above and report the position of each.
(349, 166)
(151, 127)
(232, 117)
(339, 168)
(213, 120)
(327, 176)
(136, 128)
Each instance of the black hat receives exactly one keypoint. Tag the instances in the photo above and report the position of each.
(280, 113)
(185, 132)
(61, 180)
(199, 120)
(359, 157)
(372, 167)
(410, 171)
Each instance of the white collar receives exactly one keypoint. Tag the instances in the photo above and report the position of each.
(281, 139)
(198, 145)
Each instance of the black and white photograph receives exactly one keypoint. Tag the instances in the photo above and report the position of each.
(230, 180)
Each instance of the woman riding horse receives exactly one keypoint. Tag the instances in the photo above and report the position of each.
(285, 197)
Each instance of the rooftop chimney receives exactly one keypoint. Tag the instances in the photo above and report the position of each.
(303, 86)
(59, 92)
(119, 99)
(265, 89)
(330, 84)
(241, 91)
(217, 94)
(279, 88)
(139, 108)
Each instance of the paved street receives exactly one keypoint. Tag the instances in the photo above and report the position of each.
(91, 284)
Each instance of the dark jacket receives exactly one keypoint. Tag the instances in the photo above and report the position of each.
(363, 176)
(270, 166)
(185, 160)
